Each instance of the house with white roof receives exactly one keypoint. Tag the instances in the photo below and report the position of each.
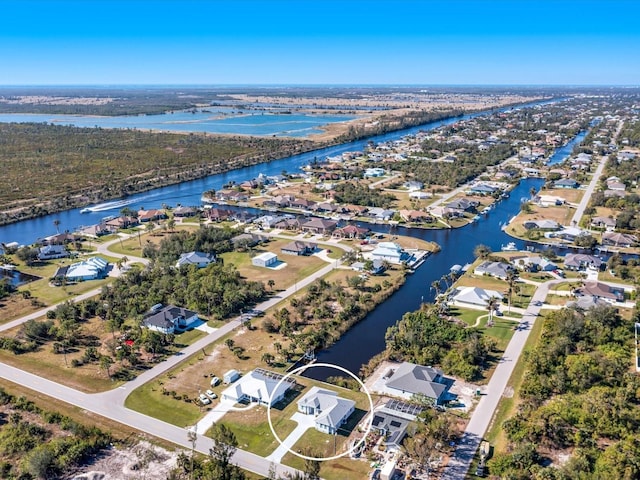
(474, 296)
(389, 251)
(493, 269)
(329, 409)
(259, 386)
(49, 252)
(90, 269)
(199, 259)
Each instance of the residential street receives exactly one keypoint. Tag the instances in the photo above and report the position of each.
(460, 462)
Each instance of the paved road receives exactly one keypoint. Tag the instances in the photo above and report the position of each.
(110, 404)
(459, 464)
(589, 191)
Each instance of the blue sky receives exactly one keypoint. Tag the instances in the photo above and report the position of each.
(319, 42)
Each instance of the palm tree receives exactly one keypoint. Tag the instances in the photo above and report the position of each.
(512, 277)
(56, 223)
(491, 305)
(435, 285)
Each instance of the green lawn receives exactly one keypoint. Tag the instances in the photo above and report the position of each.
(148, 399)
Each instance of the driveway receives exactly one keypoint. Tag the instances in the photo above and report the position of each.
(305, 422)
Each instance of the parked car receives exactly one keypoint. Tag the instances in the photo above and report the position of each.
(204, 399)
(215, 381)
(375, 475)
(537, 303)
(211, 394)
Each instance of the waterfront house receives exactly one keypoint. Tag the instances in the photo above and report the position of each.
(90, 269)
(415, 216)
(389, 251)
(581, 261)
(289, 224)
(302, 203)
(623, 240)
(549, 225)
(299, 248)
(59, 239)
(350, 231)
(319, 225)
(536, 264)
(259, 386)
(380, 213)
(97, 230)
(493, 269)
(607, 223)
(460, 206)
(566, 183)
(475, 296)
(219, 214)
(602, 291)
(231, 195)
(169, 319)
(266, 259)
(199, 259)
(182, 212)
(122, 222)
(330, 410)
(151, 215)
(49, 252)
(482, 189)
(409, 379)
(280, 201)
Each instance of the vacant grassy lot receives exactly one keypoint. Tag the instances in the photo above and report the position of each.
(58, 366)
(297, 268)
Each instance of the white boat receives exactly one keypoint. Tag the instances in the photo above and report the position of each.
(509, 247)
(85, 210)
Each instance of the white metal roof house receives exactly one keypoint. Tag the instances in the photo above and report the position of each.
(493, 269)
(52, 251)
(259, 386)
(475, 296)
(389, 251)
(199, 259)
(89, 269)
(330, 410)
(169, 319)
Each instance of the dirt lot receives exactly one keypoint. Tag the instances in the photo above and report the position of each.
(142, 461)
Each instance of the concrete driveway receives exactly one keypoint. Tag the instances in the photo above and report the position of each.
(305, 422)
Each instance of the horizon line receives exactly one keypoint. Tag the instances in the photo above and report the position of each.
(317, 85)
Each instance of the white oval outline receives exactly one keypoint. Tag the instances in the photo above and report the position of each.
(337, 367)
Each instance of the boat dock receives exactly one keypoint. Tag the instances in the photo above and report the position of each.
(417, 258)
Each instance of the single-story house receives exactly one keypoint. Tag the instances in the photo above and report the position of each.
(549, 200)
(350, 231)
(462, 205)
(392, 419)
(568, 233)
(266, 259)
(494, 269)
(169, 319)
(413, 185)
(219, 214)
(536, 264)
(550, 225)
(566, 183)
(475, 296)
(410, 379)
(199, 259)
(389, 251)
(60, 239)
(607, 223)
(482, 189)
(602, 291)
(581, 261)
(329, 409)
(49, 252)
(586, 303)
(288, 224)
(319, 225)
(259, 386)
(97, 230)
(418, 195)
(299, 248)
(416, 216)
(374, 172)
(90, 269)
(302, 203)
(619, 239)
(247, 240)
(185, 211)
(124, 221)
(151, 215)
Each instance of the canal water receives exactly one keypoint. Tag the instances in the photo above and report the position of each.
(365, 339)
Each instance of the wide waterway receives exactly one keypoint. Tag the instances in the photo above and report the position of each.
(365, 339)
(189, 193)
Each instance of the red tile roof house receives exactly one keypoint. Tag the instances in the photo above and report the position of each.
(415, 216)
(319, 225)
